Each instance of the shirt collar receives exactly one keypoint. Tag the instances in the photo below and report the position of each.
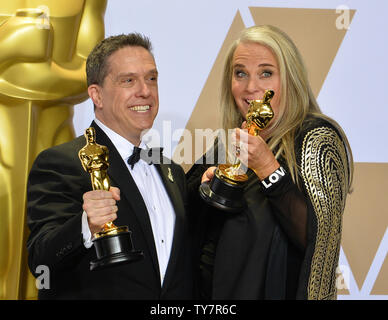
(123, 146)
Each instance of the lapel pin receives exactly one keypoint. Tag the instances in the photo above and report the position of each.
(169, 175)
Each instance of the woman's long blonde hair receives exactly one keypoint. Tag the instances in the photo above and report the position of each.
(297, 100)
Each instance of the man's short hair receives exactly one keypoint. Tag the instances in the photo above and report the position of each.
(97, 63)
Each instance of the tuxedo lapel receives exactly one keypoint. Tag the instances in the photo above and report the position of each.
(174, 193)
(119, 174)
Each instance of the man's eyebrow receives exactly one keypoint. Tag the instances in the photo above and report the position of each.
(126, 74)
(153, 71)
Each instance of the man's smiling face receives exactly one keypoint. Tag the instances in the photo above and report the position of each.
(127, 101)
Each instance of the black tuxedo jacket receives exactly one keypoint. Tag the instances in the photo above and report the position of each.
(56, 185)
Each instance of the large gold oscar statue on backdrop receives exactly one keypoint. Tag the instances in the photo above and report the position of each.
(43, 49)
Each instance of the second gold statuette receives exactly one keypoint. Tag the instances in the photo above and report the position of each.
(225, 190)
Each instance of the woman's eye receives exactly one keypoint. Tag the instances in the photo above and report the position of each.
(266, 74)
(240, 74)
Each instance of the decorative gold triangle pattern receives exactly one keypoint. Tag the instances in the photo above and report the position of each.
(366, 221)
(381, 284)
(206, 111)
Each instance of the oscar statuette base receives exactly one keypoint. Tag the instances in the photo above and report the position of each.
(223, 195)
(114, 250)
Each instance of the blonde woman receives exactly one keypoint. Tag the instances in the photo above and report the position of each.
(285, 244)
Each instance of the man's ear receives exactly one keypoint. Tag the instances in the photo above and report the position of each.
(94, 91)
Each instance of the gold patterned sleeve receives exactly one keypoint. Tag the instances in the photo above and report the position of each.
(324, 169)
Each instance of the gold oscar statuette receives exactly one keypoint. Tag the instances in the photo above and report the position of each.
(113, 244)
(225, 190)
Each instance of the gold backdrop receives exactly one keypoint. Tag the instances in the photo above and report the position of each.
(43, 49)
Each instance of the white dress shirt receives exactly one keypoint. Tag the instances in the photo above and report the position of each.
(156, 199)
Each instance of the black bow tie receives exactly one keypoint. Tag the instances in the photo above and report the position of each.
(151, 156)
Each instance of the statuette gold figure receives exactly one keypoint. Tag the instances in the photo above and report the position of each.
(113, 244)
(94, 159)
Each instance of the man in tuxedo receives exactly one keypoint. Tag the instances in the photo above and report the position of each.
(149, 197)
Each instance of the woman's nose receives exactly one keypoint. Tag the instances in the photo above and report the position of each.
(254, 87)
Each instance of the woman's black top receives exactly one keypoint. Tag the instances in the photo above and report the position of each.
(285, 244)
